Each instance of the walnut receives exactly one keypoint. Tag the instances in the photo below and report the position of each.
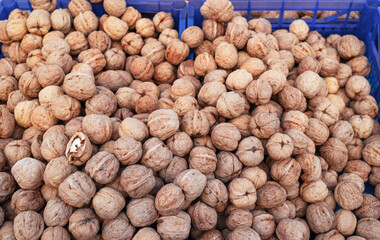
(103, 102)
(326, 111)
(320, 217)
(77, 189)
(16, 150)
(311, 167)
(176, 52)
(162, 21)
(88, 26)
(313, 191)
(65, 107)
(299, 28)
(193, 36)
(211, 234)
(108, 203)
(18, 14)
(264, 124)
(118, 228)
(8, 121)
(275, 78)
(279, 146)
(271, 194)
(242, 193)
(61, 20)
(142, 212)
(115, 28)
(8, 84)
(238, 34)
(103, 130)
(115, 60)
(243, 232)
(329, 66)
(137, 180)
(127, 150)
(130, 16)
(156, 154)
(32, 179)
(83, 224)
(192, 182)
(8, 185)
(102, 167)
(4, 37)
(228, 166)
(230, 104)
(163, 116)
(286, 41)
(368, 228)
(308, 64)
(55, 232)
(77, 41)
(27, 200)
(285, 211)
(348, 46)
(142, 68)
(203, 217)
(57, 213)
(286, 172)
(16, 29)
(362, 125)
(366, 106)
(38, 22)
(115, 7)
(99, 40)
(173, 205)
(28, 225)
(174, 227)
(7, 67)
(145, 27)
(225, 136)
(370, 207)
(250, 151)
(134, 128)
(54, 145)
(93, 57)
(204, 63)
(258, 45)
(221, 11)
(348, 195)
(335, 153)
(57, 170)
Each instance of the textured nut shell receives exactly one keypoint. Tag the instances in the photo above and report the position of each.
(137, 180)
(77, 189)
(163, 123)
(83, 224)
(28, 173)
(102, 167)
(108, 203)
(221, 11)
(142, 212)
(28, 225)
(174, 227)
(57, 170)
(57, 213)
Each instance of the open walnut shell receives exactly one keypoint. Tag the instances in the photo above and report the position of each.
(79, 149)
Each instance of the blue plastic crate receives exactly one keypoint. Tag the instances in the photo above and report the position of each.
(366, 28)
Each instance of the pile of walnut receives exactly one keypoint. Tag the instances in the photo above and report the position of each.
(108, 132)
